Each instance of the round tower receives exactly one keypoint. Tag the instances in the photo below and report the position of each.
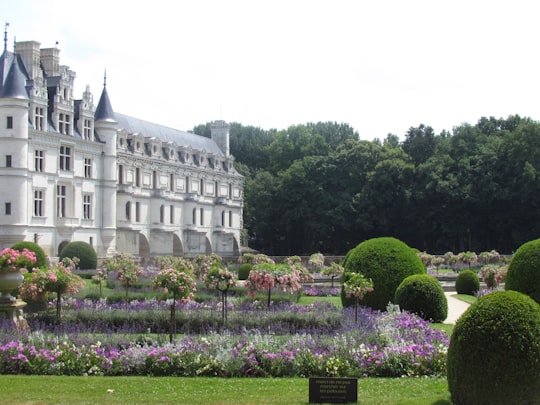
(14, 187)
(105, 125)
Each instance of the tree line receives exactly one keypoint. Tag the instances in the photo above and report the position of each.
(320, 188)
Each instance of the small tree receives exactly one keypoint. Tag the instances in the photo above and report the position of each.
(57, 279)
(178, 281)
(316, 262)
(493, 275)
(334, 270)
(287, 276)
(221, 279)
(468, 258)
(357, 286)
(450, 259)
(127, 271)
(203, 263)
(98, 279)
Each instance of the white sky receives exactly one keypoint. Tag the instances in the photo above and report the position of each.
(379, 66)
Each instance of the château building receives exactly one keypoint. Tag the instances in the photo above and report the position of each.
(71, 170)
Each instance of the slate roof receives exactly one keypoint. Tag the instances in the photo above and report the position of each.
(166, 134)
(104, 110)
(13, 77)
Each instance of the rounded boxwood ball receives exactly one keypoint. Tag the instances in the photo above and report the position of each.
(243, 271)
(82, 250)
(387, 262)
(422, 294)
(467, 282)
(494, 352)
(524, 270)
(41, 257)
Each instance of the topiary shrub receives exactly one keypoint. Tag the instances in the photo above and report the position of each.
(82, 250)
(467, 282)
(243, 271)
(41, 257)
(494, 351)
(387, 262)
(524, 270)
(422, 294)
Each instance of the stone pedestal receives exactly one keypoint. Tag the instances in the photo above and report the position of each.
(12, 312)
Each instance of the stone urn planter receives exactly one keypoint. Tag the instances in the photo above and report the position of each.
(9, 281)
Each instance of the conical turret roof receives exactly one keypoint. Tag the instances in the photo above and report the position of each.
(104, 110)
(15, 84)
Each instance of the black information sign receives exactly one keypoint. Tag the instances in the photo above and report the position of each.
(333, 390)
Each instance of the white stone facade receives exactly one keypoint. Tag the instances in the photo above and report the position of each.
(71, 170)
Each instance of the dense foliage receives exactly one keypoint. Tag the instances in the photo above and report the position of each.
(83, 251)
(243, 271)
(467, 282)
(494, 351)
(387, 262)
(423, 295)
(317, 187)
(41, 257)
(524, 270)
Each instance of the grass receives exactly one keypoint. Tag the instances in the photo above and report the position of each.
(308, 300)
(470, 299)
(44, 390)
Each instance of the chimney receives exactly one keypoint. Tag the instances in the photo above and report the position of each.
(50, 59)
(220, 135)
(30, 55)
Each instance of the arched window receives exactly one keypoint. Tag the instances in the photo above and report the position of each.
(128, 211)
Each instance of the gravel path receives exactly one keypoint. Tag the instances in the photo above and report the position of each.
(455, 307)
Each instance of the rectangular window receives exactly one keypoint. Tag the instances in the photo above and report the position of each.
(171, 182)
(9, 122)
(61, 202)
(38, 160)
(87, 130)
(87, 206)
(230, 219)
(64, 126)
(137, 212)
(171, 214)
(38, 203)
(8, 208)
(87, 168)
(137, 177)
(39, 118)
(201, 219)
(120, 174)
(65, 158)
(8, 160)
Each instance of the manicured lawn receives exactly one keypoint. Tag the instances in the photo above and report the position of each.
(466, 298)
(307, 300)
(58, 390)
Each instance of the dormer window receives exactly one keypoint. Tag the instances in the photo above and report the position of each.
(64, 123)
(87, 129)
(39, 118)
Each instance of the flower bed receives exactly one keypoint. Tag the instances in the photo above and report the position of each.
(389, 344)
